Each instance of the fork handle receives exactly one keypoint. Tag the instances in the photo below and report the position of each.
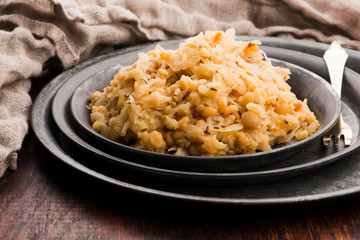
(335, 58)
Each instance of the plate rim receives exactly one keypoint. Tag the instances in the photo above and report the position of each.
(73, 163)
(240, 177)
(248, 157)
(234, 159)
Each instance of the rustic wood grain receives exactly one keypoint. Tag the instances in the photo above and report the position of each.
(44, 199)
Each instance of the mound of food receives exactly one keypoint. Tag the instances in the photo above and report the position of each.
(212, 96)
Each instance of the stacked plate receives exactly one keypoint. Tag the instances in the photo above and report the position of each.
(299, 171)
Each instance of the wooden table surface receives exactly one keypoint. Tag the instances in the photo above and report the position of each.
(43, 199)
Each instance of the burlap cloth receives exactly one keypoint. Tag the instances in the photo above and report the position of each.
(34, 31)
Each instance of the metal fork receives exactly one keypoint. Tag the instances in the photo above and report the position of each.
(335, 58)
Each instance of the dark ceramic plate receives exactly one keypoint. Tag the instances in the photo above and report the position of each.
(321, 97)
(338, 179)
(81, 148)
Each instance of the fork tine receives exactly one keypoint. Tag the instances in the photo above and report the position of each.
(347, 139)
(326, 141)
(337, 140)
(347, 142)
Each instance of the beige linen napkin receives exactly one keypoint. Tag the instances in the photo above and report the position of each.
(33, 31)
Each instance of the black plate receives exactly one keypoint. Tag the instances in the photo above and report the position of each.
(321, 97)
(289, 167)
(81, 146)
(338, 179)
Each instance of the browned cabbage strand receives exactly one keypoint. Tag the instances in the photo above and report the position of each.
(212, 96)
